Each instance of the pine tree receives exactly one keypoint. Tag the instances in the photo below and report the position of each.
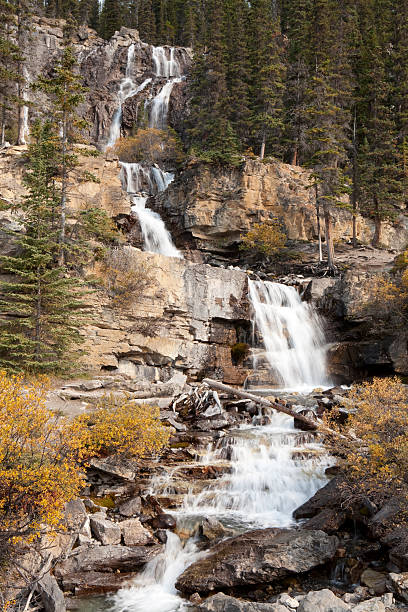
(111, 18)
(237, 66)
(268, 72)
(10, 60)
(66, 92)
(328, 112)
(147, 22)
(400, 85)
(42, 305)
(211, 134)
(382, 177)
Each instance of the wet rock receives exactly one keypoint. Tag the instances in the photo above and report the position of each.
(87, 583)
(164, 521)
(322, 601)
(131, 507)
(104, 530)
(328, 520)
(52, 597)
(374, 580)
(258, 557)
(211, 529)
(224, 603)
(107, 558)
(134, 534)
(398, 584)
(328, 496)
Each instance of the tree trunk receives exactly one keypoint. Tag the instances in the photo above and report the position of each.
(64, 182)
(319, 229)
(262, 153)
(377, 221)
(354, 192)
(294, 158)
(329, 238)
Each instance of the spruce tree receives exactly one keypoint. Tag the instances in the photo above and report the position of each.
(42, 306)
(111, 18)
(268, 72)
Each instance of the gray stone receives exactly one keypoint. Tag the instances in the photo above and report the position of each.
(322, 601)
(258, 557)
(374, 580)
(76, 517)
(134, 534)
(52, 597)
(211, 529)
(370, 605)
(113, 467)
(286, 600)
(107, 558)
(104, 530)
(131, 507)
(224, 603)
(398, 584)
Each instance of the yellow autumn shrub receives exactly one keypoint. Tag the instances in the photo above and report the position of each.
(267, 238)
(43, 455)
(374, 454)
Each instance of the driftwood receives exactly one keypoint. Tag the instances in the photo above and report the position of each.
(314, 425)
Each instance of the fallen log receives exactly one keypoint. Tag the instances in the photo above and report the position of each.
(314, 425)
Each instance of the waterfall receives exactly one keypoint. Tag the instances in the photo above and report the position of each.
(163, 66)
(127, 89)
(136, 180)
(24, 127)
(292, 334)
(156, 236)
(160, 105)
(154, 589)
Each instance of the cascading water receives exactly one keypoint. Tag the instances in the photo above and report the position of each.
(160, 105)
(164, 66)
(135, 177)
(292, 334)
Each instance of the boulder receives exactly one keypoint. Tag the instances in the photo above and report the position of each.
(374, 580)
(370, 605)
(328, 496)
(51, 595)
(164, 521)
(322, 601)
(286, 600)
(211, 529)
(88, 583)
(131, 507)
(107, 558)
(134, 534)
(224, 603)
(398, 584)
(104, 530)
(258, 557)
(76, 517)
(328, 520)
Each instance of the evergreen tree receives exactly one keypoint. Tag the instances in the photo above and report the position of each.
(42, 305)
(111, 18)
(147, 22)
(268, 71)
(66, 92)
(211, 134)
(328, 112)
(10, 60)
(382, 177)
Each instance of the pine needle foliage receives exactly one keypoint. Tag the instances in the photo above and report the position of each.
(41, 305)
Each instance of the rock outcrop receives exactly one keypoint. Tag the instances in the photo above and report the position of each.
(258, 557)
(214, 206)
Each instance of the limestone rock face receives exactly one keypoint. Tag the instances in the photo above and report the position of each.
(258, 557)
(215, 206)
(187, 321)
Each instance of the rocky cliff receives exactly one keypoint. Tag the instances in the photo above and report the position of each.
(102, 64)
(213, 206)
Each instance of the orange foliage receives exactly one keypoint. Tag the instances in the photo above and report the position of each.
(42, 455)
(267, 238)
(150, 145)
(375, 456)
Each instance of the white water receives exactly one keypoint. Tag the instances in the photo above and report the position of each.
(156, 237)
(127, 89)
(154, 590)
(137, 178)
(164, 66)
(24, 127)
(292, 334)
(160, 105)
